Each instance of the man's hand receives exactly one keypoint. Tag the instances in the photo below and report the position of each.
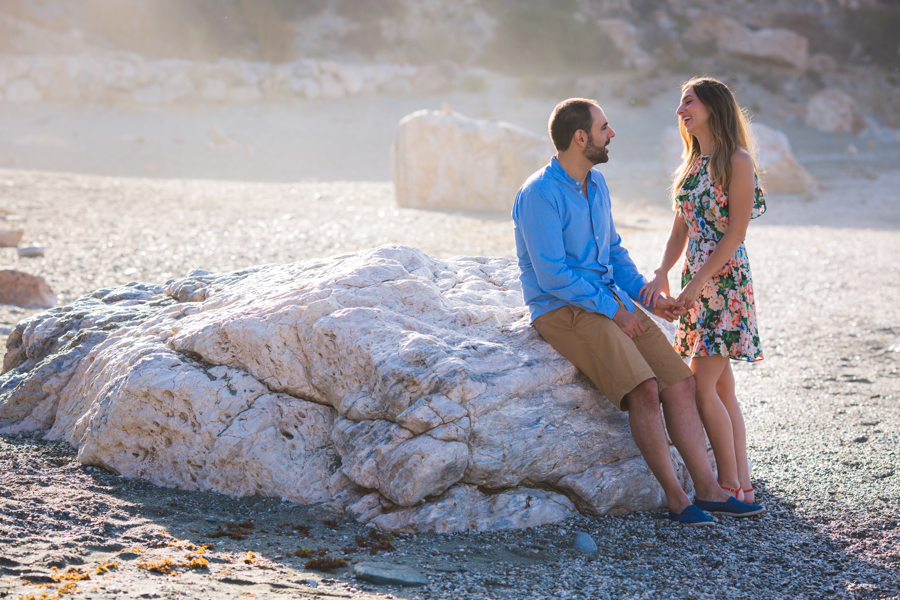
(649, 294)
(628, 323)
(669, 308)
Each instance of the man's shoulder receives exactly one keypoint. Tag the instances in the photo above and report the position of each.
(541, 183)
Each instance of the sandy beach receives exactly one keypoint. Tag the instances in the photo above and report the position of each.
(822, 409)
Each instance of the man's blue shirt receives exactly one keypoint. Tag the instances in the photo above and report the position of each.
(568, 249)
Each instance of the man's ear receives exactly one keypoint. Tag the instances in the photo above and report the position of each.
(580, 138)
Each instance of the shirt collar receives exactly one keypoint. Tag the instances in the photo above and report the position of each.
(557, 171)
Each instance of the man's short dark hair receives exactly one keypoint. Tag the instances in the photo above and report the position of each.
(568, 117)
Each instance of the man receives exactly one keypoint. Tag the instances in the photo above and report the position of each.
(579, 282)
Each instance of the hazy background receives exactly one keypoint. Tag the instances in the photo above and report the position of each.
(278, 90)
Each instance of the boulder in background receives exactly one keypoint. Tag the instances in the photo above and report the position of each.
(27, 291)
(444, 160)
(834, 111)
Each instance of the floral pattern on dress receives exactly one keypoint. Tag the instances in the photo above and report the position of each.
(723, 320)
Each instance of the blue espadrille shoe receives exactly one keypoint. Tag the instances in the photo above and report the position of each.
(692, 516)
(730, 508)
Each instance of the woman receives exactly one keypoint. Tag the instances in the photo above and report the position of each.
(715, 194)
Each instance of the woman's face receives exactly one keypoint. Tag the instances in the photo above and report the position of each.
(692, 112)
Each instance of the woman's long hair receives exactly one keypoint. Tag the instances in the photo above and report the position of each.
(729, 125)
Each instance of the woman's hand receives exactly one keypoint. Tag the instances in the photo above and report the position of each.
(668, 308)
(649, 294)
(690, 294)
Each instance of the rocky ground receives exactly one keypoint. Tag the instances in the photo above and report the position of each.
(822, 409)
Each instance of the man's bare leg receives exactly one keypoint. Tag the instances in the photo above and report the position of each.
(650, 437)
(686, 431)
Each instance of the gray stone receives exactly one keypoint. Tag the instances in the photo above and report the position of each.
(584, 543)
(389, 574)
(32, 251)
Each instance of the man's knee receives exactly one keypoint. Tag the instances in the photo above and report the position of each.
(644, 394)
(683, 393)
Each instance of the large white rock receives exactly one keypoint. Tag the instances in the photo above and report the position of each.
(396, 385)
(778, 169)
(443, 160)
(834, 111)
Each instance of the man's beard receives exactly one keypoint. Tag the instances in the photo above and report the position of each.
(595, 153)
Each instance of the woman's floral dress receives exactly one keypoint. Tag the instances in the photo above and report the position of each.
(723, 320)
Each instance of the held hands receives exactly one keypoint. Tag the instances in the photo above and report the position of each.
(669, 308)
(650, 293)
(690, 294)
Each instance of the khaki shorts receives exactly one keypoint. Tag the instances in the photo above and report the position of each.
(613, 361)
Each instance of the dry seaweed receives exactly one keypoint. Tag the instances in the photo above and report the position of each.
(166, 566)
(70, 574)
(235, 531)
(325, 563)
(107, 567)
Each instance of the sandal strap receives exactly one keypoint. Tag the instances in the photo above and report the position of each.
(748, 491)
(735, 491)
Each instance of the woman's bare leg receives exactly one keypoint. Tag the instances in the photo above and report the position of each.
(726, 391)
(716, 420)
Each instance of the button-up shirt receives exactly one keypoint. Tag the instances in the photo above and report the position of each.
(568, 249)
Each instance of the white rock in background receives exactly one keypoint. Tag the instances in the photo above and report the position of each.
(214, 90)
(244, 94)
(350, 77)
(22, 90)
(781, 46)
(330, 86)
(10, 238)
(22, 289)
(443, 160)
(387, 382)
(822, 63)
(779, 170)
(305, 88)
(151, 95)
(834, 111)
(177, 86)
(625, 37)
